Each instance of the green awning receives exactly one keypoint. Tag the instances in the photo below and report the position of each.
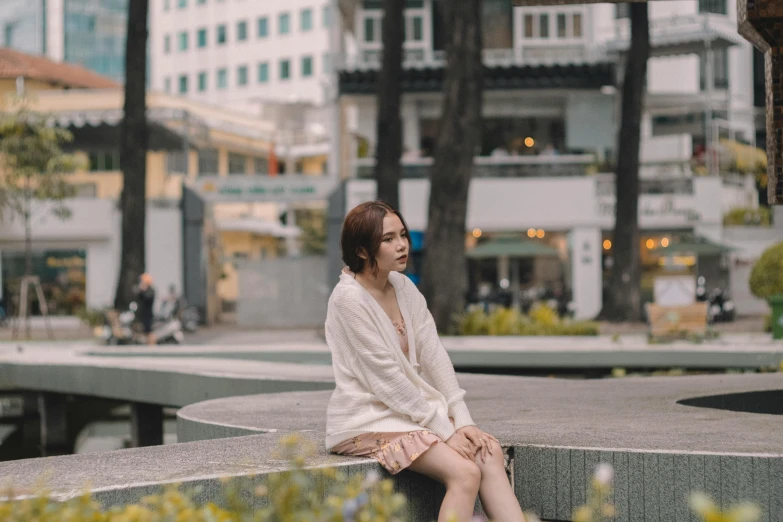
(698, 246)
(511, 247)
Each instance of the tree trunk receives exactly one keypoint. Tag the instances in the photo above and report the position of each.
(623, 300)
(133, 154)
(444, 275)
(389, 133)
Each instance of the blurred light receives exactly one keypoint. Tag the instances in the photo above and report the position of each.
(476, 232)
(529, 141)
(608, 90)
(607, 244)
(531, 232)
(665, 242)
(650, 243)
(539, 233)
(504, 283)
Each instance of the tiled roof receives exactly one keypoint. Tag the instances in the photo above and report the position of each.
(572, 76)
(14, 64)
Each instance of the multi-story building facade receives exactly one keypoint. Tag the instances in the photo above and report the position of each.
(90, 33)
(550, 121)
(236, 52)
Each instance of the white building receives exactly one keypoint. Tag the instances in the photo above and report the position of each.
(550, 129)
(232, 52)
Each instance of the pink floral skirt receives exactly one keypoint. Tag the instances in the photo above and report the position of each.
(394, 451)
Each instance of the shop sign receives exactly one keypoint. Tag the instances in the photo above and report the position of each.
(286, 189)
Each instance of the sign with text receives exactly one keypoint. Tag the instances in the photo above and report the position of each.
(286, 189)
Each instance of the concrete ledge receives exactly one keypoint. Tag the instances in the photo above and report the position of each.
(557, 431)
(730, 351)
(154, 380)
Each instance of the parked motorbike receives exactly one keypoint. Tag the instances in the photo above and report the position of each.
(721, 308)
(188, 316)
(123, 329)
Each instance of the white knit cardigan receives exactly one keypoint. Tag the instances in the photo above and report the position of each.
(377, 388)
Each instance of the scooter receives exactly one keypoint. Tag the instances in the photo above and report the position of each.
(121, 329)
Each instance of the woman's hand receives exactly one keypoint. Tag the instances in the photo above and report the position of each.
(479, 440)
(459, 443)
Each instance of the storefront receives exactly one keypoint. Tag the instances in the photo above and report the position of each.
(63, 276)
(574, 216)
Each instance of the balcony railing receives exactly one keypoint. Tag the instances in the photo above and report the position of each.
(537, 54)
(494, 167)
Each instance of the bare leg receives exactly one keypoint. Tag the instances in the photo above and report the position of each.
(497, 497)
(151, 338)
(460, 476)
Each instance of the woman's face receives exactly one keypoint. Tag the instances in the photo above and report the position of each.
(393, 253)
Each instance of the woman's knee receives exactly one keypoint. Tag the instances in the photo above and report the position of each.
(494, 461)
(467, 476)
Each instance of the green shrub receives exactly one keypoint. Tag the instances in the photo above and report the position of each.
(542, 320)
(766, 278)
(92, 317)
(768, 323)
(759, 217)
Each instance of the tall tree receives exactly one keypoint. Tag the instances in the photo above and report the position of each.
(133, 154)
(623, 300)
(388, 171)
(444, 274)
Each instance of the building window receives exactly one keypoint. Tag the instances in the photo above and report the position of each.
(263, 72)
(307, 66)
(418, 28)
(167, 84)
(720, 70)
(167, 44)
(561, 25)
(326, 16)
(207, 162)
(201, 2)
(543, 25)
(103, 161)
(183, 41)
(306, 20)
(528, 26)
(369, 30)
(242, 75)
(263, 27)
(236, 163)
(285, 69)
(183, 84)
(284, 23)
(241, 31)
(622, 11)
(327, 63)
(202, 81)
(182, 4)
(222, 78)
(166, 5)
(260, 166)
(221, 34)
(202, 38)
(175, 162)
(713, 6)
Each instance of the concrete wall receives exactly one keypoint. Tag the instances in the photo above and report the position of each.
(279, 293)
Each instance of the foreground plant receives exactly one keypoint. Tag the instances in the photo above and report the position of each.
(703, 506)
(320, 494)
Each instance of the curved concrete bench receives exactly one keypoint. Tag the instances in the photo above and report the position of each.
(559, 430)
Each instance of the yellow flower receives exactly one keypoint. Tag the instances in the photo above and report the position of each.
(415, 456)
(397, 446)
(396, 465)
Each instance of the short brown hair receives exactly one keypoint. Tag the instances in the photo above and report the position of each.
(363, 230)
